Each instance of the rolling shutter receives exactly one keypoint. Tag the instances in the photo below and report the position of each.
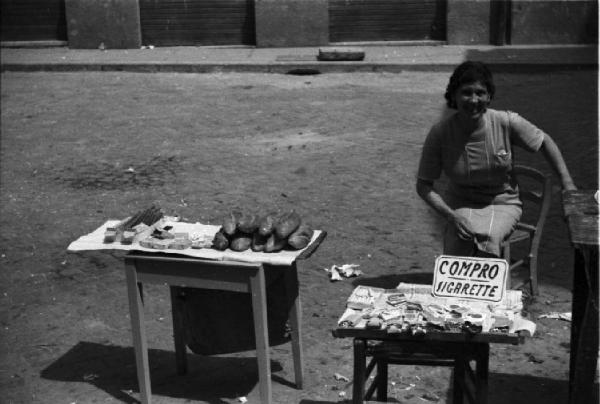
(197, 22)
(386, 20)
(33, 20)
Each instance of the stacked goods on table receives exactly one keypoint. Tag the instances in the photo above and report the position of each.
(163, 237)
(149, 228)
(269, 233)
(127, 230)
(412, 308)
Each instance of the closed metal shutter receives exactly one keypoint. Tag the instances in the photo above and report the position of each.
(197, 22)
(33, 20)
(386, 20)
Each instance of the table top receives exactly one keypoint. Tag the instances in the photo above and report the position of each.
(449, 336)
(95, 241)
(581, 211)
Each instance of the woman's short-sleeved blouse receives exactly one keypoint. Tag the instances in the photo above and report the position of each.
(479, 164)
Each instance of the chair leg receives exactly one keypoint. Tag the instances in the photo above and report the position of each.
(533, 275)
(506, 256)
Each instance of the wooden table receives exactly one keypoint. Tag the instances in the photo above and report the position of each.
(176, 272)
(581, 212)
(455, 349)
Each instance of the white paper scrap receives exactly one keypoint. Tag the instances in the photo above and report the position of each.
(521, 324)
(557, 316)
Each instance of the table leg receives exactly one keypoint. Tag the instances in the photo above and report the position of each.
(136, 312)
(482, 373)
(177, 307)
(295, 316)
(584, 326)
(459, 381)
(261, 331)
(382, 379)
(358, 389)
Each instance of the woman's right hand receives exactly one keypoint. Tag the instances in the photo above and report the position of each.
(462, 225)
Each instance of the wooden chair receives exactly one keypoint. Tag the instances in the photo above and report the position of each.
(535, 189)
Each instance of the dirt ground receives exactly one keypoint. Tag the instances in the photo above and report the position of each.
(341, 149)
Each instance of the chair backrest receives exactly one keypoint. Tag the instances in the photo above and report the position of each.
(540, 195)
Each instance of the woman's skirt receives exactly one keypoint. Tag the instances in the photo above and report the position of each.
(491, 225)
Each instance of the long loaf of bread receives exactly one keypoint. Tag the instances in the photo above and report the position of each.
(301, 237)
(287, 224)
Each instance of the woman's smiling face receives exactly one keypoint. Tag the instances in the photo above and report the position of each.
(472, 100)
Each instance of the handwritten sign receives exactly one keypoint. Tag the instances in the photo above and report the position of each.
(470, 278)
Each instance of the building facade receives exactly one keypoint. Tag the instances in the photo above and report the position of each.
(123, 24)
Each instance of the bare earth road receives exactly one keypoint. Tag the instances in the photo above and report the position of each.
(342, 149)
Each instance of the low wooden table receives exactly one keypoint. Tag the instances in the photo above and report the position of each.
(455, 349)
(581, 211)
(176, 272)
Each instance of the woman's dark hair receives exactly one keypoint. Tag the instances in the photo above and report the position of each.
(467, 73)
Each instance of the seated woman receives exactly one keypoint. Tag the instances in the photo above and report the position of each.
(473, 147)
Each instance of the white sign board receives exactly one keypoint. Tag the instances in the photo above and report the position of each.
(482, 279)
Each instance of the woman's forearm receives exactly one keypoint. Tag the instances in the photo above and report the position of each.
(555, 159)
(427, 192)
(434, 199)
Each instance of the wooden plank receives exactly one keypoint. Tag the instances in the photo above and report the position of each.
(341, 54)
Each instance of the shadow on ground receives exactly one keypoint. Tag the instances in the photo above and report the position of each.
(112, 369)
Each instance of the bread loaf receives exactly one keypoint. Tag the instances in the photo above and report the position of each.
(230, 223)
(220, 241)
(259, 242)
(275, 244)
(248, 223)
(301, 237)
(287, 224)
(267, 223)
(240, 242)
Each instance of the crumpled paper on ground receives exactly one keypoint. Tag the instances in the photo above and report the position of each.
(556, 315)
(339, 272)
(521, 324)
(341, 377)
